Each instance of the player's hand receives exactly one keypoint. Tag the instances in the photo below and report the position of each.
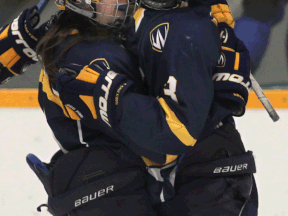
(221, 12)
(17, 43)
(92, 94)
(231, 77)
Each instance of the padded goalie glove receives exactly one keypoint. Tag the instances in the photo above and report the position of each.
(17, 43)
(231, 77)
(93, 93)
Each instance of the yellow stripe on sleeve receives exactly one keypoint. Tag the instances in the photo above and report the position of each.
(48, 91)
(178, 128)
(138, 16)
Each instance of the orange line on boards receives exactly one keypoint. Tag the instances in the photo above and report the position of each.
(28, 98)
(22, 98)
(277, 98)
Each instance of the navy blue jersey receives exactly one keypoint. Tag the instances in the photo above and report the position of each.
(177, 51)
(70, 134)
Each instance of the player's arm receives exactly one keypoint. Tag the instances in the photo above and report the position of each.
(18, 42)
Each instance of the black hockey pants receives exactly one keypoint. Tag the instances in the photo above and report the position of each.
(199, 193)
(102, 181)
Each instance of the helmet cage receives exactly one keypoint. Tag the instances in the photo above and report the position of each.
(115, 18)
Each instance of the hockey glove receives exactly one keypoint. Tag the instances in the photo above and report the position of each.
(221, 12)
(231, 77)
(17, 44)
(92, 94)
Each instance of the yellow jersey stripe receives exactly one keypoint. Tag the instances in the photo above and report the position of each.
(177, 127)
(52, 97)
(138, 16)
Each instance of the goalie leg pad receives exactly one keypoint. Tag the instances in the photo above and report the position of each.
(96, 181)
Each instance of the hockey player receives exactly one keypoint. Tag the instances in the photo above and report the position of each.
(165, 45)
(108, 177)
(130, 95)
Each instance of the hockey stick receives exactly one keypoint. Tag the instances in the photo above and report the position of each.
(264, 100)
(41, 5)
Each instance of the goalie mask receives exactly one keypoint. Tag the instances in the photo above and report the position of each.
(111, 13)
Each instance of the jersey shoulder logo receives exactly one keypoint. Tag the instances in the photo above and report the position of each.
(158, 36)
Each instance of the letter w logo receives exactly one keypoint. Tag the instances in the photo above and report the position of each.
(158, 36)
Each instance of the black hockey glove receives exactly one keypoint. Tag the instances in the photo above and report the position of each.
(17, 44)
(93, 94)
(231, 77)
